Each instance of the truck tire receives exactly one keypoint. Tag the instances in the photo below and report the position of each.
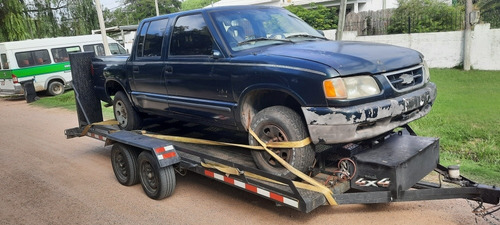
(279, 124)
(125, 114)
(124, 163)
(158, 183)
(55, 88)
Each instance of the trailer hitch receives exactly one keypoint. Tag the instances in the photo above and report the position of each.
(486, 193)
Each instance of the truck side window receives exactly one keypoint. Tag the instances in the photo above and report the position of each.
(191, 37)
(5, 63)
(154, 38)
(140, 43)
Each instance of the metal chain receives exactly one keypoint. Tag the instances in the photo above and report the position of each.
(483, 214)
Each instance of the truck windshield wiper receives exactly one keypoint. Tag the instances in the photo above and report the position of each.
(305, 35)
(262, 39)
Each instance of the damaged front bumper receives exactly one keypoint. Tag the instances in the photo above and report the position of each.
(330, 125)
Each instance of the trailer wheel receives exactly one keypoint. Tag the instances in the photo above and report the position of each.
(55, 88)
(124, 162)
(125, 114)
(279, 124)
(158, 183)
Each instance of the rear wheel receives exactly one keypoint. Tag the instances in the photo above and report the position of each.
(124, 162)
(281, 124)
(158, 183)
(125, 114)
(55, 88)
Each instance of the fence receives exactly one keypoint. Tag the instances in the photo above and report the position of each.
(382, 22)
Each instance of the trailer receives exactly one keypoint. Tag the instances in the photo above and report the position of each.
(389, 168)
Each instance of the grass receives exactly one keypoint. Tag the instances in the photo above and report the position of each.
(465, 117)
(67, 101)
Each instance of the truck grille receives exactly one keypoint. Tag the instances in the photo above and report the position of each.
(406, 79)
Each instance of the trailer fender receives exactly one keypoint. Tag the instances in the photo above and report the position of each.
(163, 150)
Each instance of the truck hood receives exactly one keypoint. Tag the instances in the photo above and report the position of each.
(350, 57)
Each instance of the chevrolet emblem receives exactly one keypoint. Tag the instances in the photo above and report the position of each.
(407, 78)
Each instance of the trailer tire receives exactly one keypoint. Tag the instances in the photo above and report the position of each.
(125, 114)
(278, 124)
(157, 182)
(124, 163)
(55, 88)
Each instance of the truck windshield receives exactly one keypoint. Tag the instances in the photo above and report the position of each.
(247, 29)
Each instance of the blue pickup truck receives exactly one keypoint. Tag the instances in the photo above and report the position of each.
(264, 68)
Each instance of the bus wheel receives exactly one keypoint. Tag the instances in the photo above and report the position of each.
(55, 88)
(124, 162)
(158, 183)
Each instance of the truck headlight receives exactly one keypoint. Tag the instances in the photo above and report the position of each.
(350, 87)
(427, 74)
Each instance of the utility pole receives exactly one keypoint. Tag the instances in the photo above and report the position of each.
(102, 27)
(157, 10)
(467, 35)
(340, 27)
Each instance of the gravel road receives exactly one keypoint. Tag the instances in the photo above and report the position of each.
(48, 179)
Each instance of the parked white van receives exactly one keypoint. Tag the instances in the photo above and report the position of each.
(45, 61)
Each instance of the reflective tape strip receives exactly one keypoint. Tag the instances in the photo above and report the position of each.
(254, 189)
(96, 136)
(165, 152)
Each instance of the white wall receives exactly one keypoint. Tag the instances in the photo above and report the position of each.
(444, 49)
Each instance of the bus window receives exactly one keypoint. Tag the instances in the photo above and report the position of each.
(97, 48)
(5, 63)
(116, 49)
(62, 54)
(32, 58)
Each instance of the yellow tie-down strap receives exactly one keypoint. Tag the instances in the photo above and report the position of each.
(312, 186)
(107, 122)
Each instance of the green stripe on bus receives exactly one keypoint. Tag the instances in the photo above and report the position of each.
(42, 69)
(5, 74)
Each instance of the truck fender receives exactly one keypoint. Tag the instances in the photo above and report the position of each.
(164, 151)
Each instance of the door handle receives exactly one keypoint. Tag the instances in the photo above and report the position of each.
(135, 69)
(169, 69)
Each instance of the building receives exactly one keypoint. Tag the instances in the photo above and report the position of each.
(352, 5)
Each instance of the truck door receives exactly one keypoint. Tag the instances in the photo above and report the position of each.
(147, 68)
(196, 88)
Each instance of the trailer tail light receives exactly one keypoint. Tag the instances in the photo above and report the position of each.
(14, 79)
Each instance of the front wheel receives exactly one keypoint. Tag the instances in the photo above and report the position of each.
(125, 114)
(157, 182)
(281, 124)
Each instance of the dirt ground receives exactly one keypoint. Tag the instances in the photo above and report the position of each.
(48, 179)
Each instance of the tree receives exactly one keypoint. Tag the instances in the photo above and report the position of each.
(317, 16)
(137, 10)
(425, 16)
(490, 12)
(12, 18)
(196, 4)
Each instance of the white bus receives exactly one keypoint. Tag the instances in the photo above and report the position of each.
(45, 61)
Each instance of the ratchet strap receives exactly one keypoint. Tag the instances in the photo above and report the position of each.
(107, 122)
(312, 186)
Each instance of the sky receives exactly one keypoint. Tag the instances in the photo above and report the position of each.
(110, 4)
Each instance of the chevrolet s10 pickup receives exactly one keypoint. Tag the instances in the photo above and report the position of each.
(263, 68)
